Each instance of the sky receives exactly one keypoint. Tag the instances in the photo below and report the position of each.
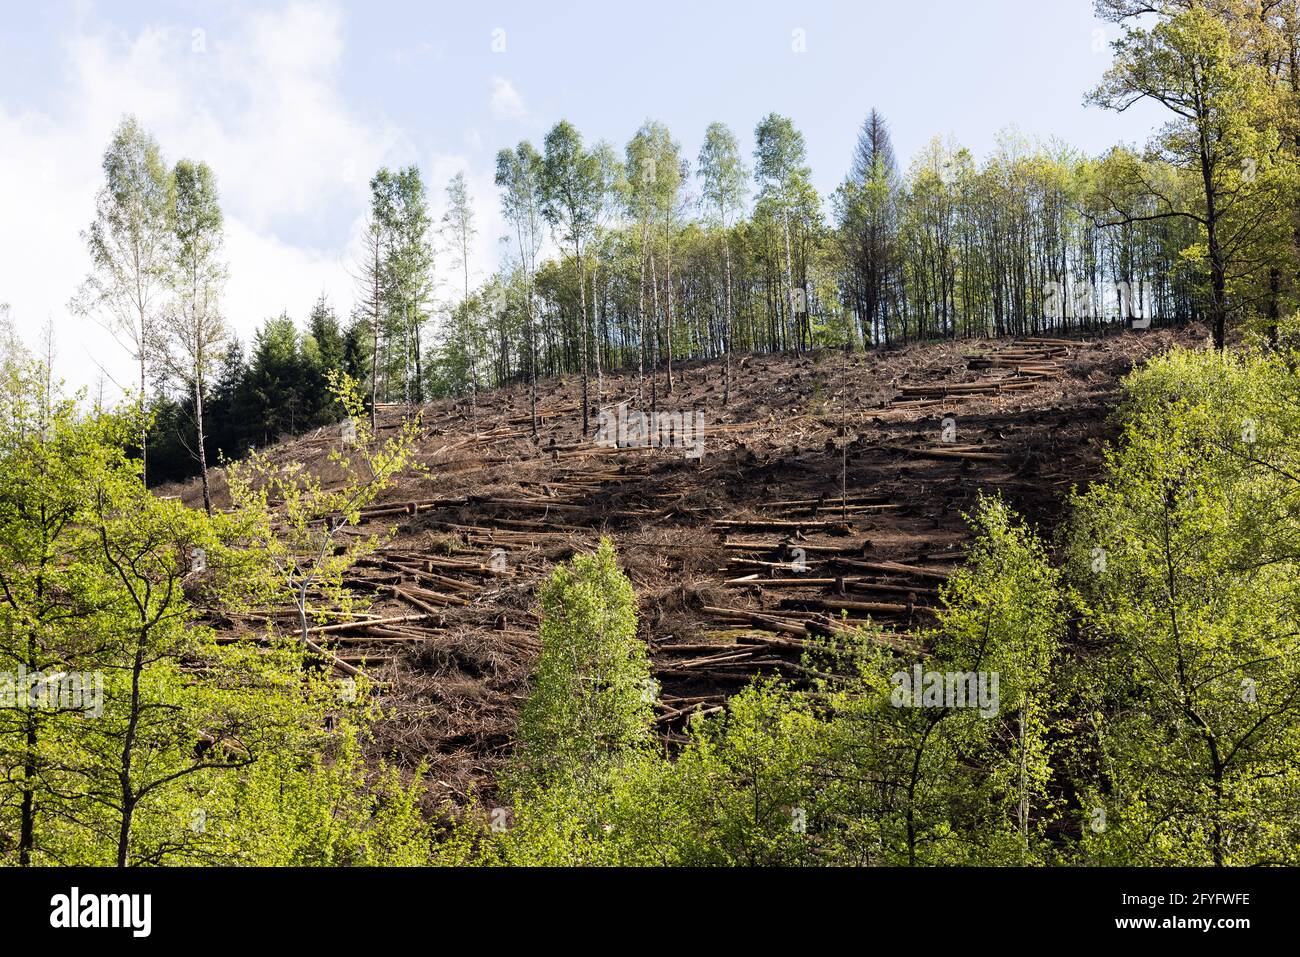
(296, 104)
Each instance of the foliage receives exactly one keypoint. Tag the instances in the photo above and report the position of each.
(300, 540)
(128, 734)
(1187, 576)
(593, 696)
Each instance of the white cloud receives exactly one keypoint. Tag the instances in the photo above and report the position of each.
(260, 105)
(506, 101)
(274, 277)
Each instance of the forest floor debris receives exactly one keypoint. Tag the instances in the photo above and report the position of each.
(830, 490)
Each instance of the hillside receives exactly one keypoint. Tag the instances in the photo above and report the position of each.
(827, 489)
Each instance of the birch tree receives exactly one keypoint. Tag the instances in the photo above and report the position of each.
(130, 248)
(458, 227)
(400, 208)
(571, 189)
(780, 157)
(724, 179)
(519, 177)
(369, 280)
(198, 331)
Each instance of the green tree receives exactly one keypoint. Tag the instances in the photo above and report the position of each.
(519, 177)
(46, 552)
(654, 172)
(592, 697)
(724, 182)
(401, 216)
(130, 246)
(916, 779)
(780, 167)
(867, 212)
(198, 331)
(324, 345)
(278, 380)
(458, 226)
(1185, 564)
(1191, 62)
(572, 189)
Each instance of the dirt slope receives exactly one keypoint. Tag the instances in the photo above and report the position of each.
(830, 484)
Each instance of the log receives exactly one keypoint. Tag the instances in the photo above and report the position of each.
(898, 568)
(432, 577)
(693, 709)
(335, 660)
(781, 582)
(352, 625)
(775, 566)
(758, 621)
(412, 600)
(776, 546)
(695, 663)
(792, 644)
(825, 499)
(781, 524)
(849, 582)
(878, 607)
(919, 591)
(956, 454)
(375, 637)
(833, 507)
(428, 595)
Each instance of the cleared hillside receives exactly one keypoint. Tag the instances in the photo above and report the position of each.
(830, 488)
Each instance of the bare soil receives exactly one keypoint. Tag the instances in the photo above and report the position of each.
(832, 485)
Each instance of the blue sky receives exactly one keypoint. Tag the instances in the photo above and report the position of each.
(294, 105)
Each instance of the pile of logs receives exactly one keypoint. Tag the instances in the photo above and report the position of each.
(1021, 364)
(1027, 358)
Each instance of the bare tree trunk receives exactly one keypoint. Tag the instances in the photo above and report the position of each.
(144, 427)
(27, 827)
(596, 340)
(668, 316)
(532, 365)
(1023, 804)
(406, 359)
(641, 351)
(789, 281)
(374, 316)
(198, 422)
(419, 362)
(654, 340)
(469, 330)
(583, 357)
(1218, 277)
(129, 797)
(726, 328)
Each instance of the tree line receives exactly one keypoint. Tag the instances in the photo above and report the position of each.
(644, 257)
